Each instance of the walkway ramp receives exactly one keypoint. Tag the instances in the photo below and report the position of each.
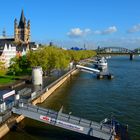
(66, 121)
(87, 69)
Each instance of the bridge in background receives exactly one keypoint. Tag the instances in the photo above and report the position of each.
(118, 51)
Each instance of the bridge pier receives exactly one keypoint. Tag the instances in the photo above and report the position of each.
(131, 56)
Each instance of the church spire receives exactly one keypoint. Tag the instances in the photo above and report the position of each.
(22, 30)
(22, 20)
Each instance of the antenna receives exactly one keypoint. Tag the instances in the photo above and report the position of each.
(4, 32)
(84, 46)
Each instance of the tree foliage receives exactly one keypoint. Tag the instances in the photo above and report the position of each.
(49, 58)
(19, 65)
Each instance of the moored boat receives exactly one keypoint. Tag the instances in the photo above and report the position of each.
(101, 63)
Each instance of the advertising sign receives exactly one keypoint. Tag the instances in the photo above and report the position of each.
(45, 118)
(62, 123)
(8, 94)
(69, 125)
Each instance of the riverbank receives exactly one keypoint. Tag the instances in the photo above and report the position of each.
(5, 128)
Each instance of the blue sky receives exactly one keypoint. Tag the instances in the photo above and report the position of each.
(75, 22)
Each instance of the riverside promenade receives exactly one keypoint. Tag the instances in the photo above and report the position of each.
(41, 97)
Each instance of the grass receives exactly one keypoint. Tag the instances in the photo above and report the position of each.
(6, 79)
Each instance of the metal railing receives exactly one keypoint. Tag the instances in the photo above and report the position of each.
(66, 121)
(5, 116)
(68, 118)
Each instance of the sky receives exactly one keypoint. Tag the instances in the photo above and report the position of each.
(69, 23)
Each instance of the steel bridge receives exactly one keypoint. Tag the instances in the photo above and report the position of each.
(118, 51)
(114, 50)
(66, 121)
(137, 50)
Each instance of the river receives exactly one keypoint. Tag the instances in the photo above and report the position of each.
(85, 96)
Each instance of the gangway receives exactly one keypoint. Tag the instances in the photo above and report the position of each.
(87, 69)
(59, 119)
(100, 74)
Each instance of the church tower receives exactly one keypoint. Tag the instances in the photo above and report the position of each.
(22, 30)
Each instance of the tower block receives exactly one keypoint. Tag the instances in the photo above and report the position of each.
(22, 30)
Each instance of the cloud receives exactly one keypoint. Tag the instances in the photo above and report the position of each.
(110, 30)
(135, 28)
(77, 32)
(97, 32)
(107, 31)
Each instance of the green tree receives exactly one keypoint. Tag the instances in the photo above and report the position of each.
(14, 66)
(62, 60)
(19, 65)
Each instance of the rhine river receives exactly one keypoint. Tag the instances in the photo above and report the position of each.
(85, 96)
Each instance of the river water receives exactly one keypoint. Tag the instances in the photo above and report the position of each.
(85, 96)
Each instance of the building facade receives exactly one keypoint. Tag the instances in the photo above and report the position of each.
(7, 53)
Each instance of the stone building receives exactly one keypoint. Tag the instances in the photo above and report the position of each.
(22, 30)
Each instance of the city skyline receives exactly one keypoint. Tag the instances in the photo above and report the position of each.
(75, 23)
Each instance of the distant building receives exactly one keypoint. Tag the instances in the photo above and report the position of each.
(22, 30)
(19, 44)
(7, 53)
(109, 50)
(7, 50)
(51, 44)
(77, 48)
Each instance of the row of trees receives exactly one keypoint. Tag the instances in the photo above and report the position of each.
(48, 58)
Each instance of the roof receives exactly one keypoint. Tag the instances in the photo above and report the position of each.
(22, 20)
(20, 48)
(7, 41)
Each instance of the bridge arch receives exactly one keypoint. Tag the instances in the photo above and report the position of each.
(137, 50)
(114, 49)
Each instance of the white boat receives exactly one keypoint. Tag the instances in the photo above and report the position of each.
(101, 63)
